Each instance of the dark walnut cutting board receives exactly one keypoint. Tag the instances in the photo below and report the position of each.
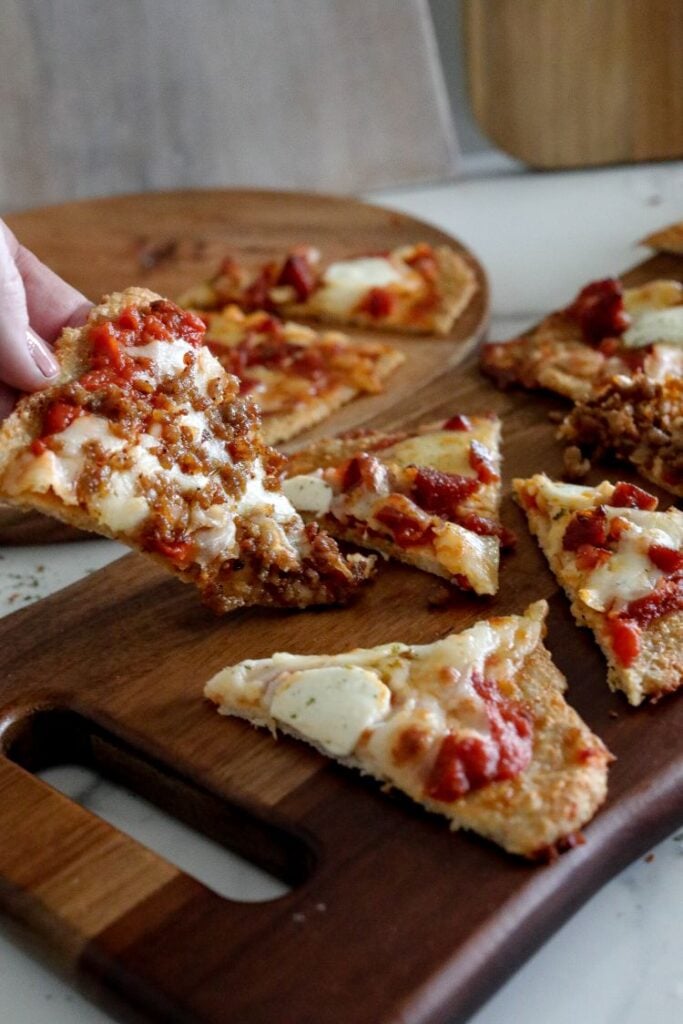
(417, 924)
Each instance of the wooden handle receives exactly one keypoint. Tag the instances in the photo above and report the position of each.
(65, 872)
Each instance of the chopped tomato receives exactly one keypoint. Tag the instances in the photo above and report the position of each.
(481, 462)
(630, 496)
(298, 273)
(378, 303)
(457, 422)
(441, 493)
(625, 640)
(38, 446)
(589, 526)
(407, 530)
(667, 559)
(599, 310)
(666, 597)
(58, 416)
(178, 551)
(589, 557)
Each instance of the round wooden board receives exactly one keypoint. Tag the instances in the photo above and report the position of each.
(168, 241)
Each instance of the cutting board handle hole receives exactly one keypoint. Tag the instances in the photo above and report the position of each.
(97, 770)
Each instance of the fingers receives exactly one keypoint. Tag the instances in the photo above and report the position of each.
(52, 303)
(26, 362)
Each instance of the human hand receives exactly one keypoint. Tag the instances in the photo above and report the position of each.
(35, 304)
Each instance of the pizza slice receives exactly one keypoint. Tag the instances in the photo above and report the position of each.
(429, 498)
(473, 726)
(668, 239)
(416, 288)
(296, 376)
(633, 420)
(621, 564)
(145, 439)
(607, 330)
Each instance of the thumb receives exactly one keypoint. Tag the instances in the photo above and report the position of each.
(26, 362)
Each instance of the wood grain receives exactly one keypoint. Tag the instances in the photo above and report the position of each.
(567, 83)
(392, 919)
(170, 240)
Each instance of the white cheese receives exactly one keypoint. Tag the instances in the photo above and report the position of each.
(657, 326)
(345, 283)
(256, 497)
(629, 573)
(331, 706)
(167, 358)
(566, 496)
(213, 533)
(308, 493)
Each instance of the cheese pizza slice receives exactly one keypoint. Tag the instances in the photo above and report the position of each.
(632, 419)
(668, 239)
(473, 726)
(296, 376)
(417, 288)
(145, 439)
(607, 330)
(429, 498)
(621, 564)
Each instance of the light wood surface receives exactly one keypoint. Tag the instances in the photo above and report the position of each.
(158, 94)
(418, 924)
(169, 240)
(567, 83)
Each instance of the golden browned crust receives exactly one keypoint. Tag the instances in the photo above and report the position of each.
(668, 239)
(635, 420)
(323, 574)
(658, 667)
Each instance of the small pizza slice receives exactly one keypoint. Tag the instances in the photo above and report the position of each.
(145, 439)
(429, 498)
(296, 376)
(633, 420)
(668, 239)
(473, 727)
(621, 564)
(417, 288)
(607, 330)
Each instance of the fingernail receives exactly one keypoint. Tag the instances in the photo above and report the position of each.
(42, 356)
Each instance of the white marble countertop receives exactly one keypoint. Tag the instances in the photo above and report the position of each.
(618, 960)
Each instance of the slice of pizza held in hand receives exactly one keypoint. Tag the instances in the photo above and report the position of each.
(145, 439)
(296, 376)
(621, 564)
(607, 330)
(473, 726)
(417, 288)
(429, 498)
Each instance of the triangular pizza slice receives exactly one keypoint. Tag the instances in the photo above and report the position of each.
(621, 563)
(429, 498)
(297, 376)
(608, 329)
(473, 726)
(416, 288)
(145, 439)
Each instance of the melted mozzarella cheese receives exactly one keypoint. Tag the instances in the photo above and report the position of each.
(167, 359)
(657, 326)
(308, 493)
(213, 533)
(256, 497)
(629, 573)
(344, 284)
(331, 706)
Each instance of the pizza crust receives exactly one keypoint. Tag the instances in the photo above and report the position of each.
(668, 239)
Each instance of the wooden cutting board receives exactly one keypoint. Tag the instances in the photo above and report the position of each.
(165, 241)
(392, 918)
